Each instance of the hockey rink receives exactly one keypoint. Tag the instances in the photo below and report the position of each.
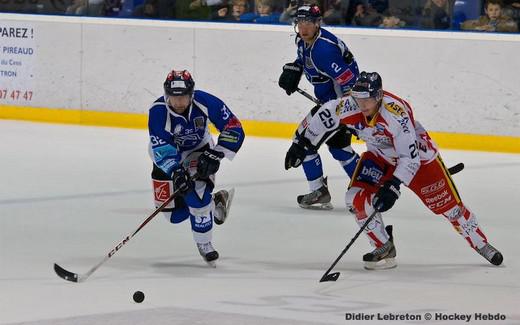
(69, 194)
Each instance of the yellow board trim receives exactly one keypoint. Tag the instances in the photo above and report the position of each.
(459, 141)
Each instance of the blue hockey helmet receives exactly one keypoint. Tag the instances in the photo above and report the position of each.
(368, 84)
(179, 83)
(308, 12)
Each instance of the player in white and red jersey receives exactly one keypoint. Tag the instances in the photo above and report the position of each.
(399, 151)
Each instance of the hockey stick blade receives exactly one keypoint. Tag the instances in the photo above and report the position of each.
(456, 168)
(330, 277)
(64, 274)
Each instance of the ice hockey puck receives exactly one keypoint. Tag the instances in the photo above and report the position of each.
(138, 297)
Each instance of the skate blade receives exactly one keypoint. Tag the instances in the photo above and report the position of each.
(317, 206)
(387, 263)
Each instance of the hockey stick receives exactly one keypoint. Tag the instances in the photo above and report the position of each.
(75, 277)
(308, 96)
(334, 276)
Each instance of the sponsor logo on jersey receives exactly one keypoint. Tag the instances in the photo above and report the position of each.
(359, 126)
(394, 108)
(439, 200)
(177, 129)
(164, 151)
(345, 77)
(234, 122)
(404, 124)
(308, 63)
(229, 136)
(225, 112)
(370, 174)
(199, 122)
(379, 129)
(161, 190)
(187, 140)
(340, 108)
(399, 111)
(432, 188)
(305, 123)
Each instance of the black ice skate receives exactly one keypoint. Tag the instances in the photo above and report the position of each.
(383, 257)
(491, 254)
(208, 253)
(222, 200)
(316, 200)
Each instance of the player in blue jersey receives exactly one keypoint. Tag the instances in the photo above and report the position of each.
(186, 158)
(332, 70)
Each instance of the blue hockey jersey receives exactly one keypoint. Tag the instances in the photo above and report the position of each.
(328, 65)
(172, 136)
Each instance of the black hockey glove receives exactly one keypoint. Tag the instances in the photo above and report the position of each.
(181, 181)
(387, 195)
(290, 77)
(209, 162)
(295, 155)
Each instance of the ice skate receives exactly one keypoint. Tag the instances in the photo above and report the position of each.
(316, 200)
(383, 257)
(222, 200)
(208, 253)
(491, 254)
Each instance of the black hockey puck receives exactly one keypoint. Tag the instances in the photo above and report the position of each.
(138, 296)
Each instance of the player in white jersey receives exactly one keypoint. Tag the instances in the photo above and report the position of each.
(399, 151)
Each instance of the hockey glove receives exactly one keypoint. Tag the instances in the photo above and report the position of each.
(290, 77)
(209, 162)
(181, 181)
(295, 155)
(387, 195)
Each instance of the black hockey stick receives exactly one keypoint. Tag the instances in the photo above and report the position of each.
(334, 276)
(308, 96)
(75, 277)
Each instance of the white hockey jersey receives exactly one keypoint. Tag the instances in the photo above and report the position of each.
(392, 133)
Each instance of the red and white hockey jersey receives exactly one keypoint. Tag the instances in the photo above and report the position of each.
(392, 133)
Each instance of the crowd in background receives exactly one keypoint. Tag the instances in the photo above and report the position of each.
(479, 15)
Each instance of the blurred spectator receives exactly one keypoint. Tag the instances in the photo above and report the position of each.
(264, 13)
(493, 21)
(238, 8)
(436, 15)
(78, 8)
(512, 9)
(196, 4)
(407, 12)
(366, 15)
(379, 5)
(112, 8)
(195, 9)
(288, 14)
(149, 9)
(164, 9)
(392, 22)
(335, 14)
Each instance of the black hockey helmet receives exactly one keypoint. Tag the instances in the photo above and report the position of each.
(308, 12)
(368, 84)
(179, 83)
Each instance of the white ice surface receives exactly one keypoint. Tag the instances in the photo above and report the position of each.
(68, 194)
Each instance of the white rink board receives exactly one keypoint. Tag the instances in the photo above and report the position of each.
(457, 82)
